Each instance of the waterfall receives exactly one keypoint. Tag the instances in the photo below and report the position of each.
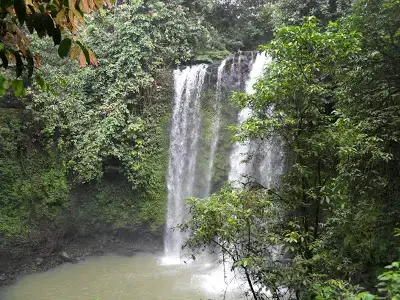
(215, 127)
(239, 74)
(186, 175)
(192, 157)
(266, 160)
(270, 162)
(233, 66)
(184, 137)
(239, 165)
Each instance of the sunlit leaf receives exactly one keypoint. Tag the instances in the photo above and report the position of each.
(75, 51)
(84, 6)
(93, 59)
(40, 81)
(99, 3)
(79, 17)
(18, 87)
(82, 60)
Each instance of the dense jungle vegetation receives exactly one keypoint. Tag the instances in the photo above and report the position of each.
(84, 146)
(327, 230)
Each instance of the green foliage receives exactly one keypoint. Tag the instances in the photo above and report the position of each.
(211, 55)
(332, 96)
(48, 19)
(292, 12)
(153, 190)
(388, 287)
(336, 289)
(106, 204)
(231, 220)
(18, 88)
(104, 109)
(107, 115)
(241, 25)
(389, 282)
(33, 183)
(97, 121)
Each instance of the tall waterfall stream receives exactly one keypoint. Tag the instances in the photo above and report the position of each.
(166, 276)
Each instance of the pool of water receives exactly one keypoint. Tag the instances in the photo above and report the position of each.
(142, 276)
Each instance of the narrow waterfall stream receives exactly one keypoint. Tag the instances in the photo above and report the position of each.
(239, 166)
(266, 161)
(184, 136)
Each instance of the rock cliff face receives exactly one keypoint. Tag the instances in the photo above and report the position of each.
(217, 114)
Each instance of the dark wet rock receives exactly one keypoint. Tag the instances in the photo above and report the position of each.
(39, 261)
(16, 261)
(81, 258)
(66, 257)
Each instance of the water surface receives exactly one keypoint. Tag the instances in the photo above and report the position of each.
(123, 278)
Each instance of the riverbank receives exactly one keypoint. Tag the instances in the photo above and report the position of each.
(21, 259)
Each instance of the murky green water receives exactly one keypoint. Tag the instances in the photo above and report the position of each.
(122, 278)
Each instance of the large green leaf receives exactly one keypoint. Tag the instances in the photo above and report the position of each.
(64, 47)
(3, 85)
(40, 81)
(18, 87)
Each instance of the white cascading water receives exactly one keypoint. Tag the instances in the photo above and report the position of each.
(215, 128)
(271, 165)
(240, 64)
(233, 66)
(184, 137)
(221, 279)
(268, 163)
(238, 165)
